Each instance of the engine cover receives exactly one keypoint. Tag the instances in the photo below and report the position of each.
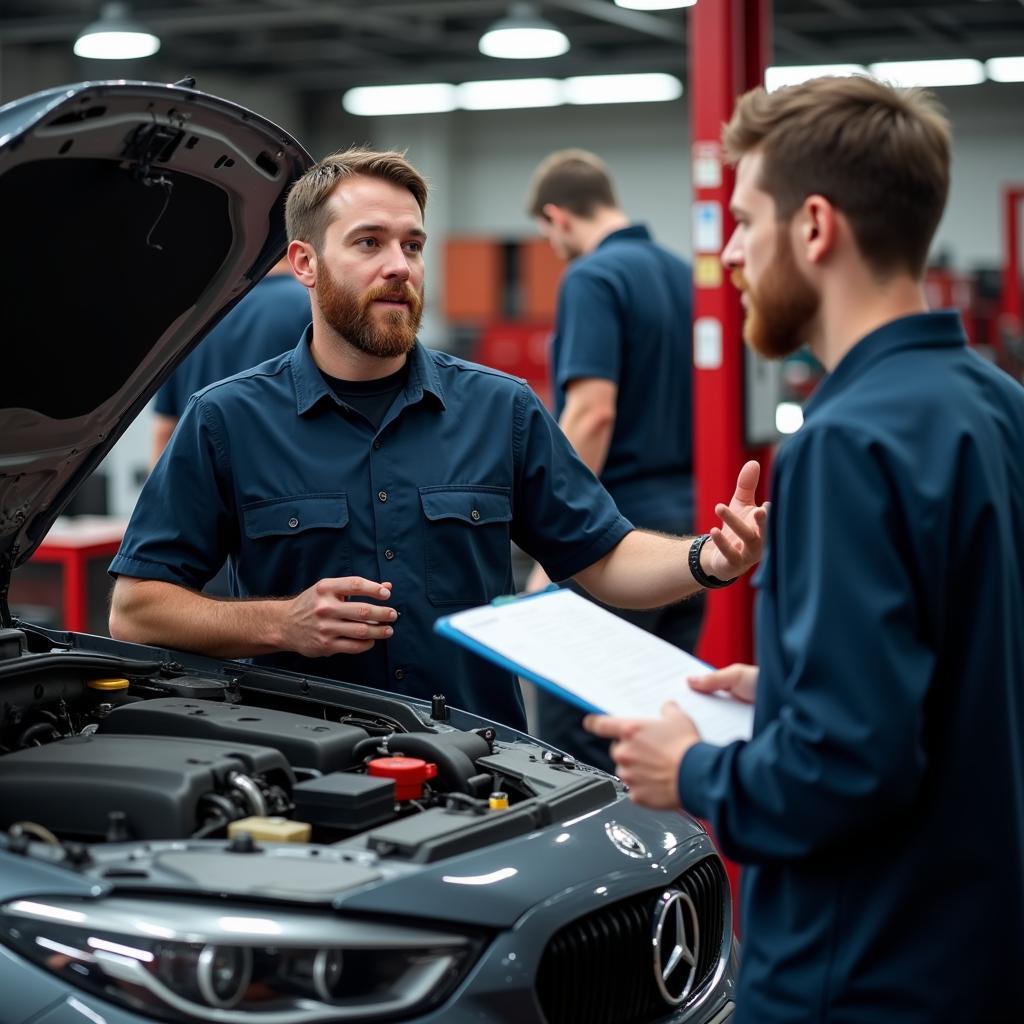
(305, 742)
(71, 786)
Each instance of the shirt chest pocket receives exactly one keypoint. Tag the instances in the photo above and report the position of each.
(467, 543)
(298, 540)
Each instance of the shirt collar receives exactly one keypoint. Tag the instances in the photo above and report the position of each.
(636, 231)
(941, 329)
(311, 388)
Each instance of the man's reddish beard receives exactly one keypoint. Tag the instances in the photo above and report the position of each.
(782, 305)
(390, 333)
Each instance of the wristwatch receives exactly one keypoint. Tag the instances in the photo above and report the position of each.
(703, 578)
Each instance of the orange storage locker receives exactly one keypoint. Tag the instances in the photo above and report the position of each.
(473, 275)
(540, 272)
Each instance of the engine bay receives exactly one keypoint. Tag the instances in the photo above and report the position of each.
(97, 748)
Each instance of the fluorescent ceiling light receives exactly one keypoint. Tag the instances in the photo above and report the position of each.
(654, 5)
(1005, 69)
(380, 100)
(114, 36)
(651, 88)
(930, 73)
(523, 35)
(511, 93)
(778, 77)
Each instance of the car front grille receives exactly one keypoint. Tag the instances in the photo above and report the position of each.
(600, 968)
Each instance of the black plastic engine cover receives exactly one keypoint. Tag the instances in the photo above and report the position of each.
(72, 785)
(305, 742)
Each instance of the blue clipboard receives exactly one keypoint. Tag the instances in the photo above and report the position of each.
(444, 627)
(605, 658)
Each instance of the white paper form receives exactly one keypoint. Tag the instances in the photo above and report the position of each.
(567, 643)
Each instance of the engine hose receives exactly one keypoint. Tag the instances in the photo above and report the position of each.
(372, 745)
(34, 732)
(223, 809)
(252, 793)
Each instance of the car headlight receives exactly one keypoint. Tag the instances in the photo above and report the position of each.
(225, 964)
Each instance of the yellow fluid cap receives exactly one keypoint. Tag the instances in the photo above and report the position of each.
(272, 830)
(108, 684)
(498, 801)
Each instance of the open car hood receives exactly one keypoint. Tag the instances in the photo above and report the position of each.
(136, 215)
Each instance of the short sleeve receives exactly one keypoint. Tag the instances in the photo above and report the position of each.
(184, 524)
(590, 329)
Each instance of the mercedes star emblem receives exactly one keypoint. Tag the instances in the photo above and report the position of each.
(676, 946)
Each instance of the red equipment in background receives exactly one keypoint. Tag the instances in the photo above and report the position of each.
(520, 349)
(1010, 327)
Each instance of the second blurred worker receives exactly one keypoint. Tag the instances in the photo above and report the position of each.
(620, 366)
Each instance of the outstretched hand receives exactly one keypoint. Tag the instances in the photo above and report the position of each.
(739, 542)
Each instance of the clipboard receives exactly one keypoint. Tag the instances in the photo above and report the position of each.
(592, 659)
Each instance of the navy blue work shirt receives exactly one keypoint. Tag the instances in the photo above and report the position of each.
(625, 315)
(879, 805)
(267, 321)
(272, 470)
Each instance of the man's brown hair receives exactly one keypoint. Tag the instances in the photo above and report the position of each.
(574, 179)
(306, 215)
(880, 155)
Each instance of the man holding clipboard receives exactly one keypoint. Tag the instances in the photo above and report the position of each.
(879, 806)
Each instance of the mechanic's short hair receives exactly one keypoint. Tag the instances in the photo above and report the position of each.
(879, 154)
(306, 214)
(574, 179)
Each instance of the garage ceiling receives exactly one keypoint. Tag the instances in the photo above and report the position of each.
(314, 45)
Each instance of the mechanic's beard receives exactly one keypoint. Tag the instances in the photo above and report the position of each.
(384, 333)
(781, 308)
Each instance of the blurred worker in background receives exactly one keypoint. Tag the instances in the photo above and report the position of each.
(621, 377)
(267, 321)
(879, 807)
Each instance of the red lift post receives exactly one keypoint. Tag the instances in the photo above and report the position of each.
(729, 49)
(1012, 305)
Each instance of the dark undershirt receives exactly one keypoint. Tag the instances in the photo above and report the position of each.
(370, 398)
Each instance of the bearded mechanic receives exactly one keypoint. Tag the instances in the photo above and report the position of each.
(362, 477)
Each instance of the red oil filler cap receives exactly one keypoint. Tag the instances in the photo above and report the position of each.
(409, 774)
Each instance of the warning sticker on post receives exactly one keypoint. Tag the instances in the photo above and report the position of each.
(707, 227)
(707, 164)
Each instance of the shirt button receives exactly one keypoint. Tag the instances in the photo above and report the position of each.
(377, 444)
(399, 673)
(389, 554)
(475, 514)
(383, 495)
(293, 522)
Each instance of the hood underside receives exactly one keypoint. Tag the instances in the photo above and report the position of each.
(137, 215)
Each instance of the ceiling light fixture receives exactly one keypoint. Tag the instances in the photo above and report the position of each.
(1005, 69)
(646, 88)
(654, 5)
(523, 35)
(510, 94)
(114, 36)
(779, 77)
(380, 100)
(930, 73)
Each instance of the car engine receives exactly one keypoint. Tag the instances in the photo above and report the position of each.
(105, 749)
